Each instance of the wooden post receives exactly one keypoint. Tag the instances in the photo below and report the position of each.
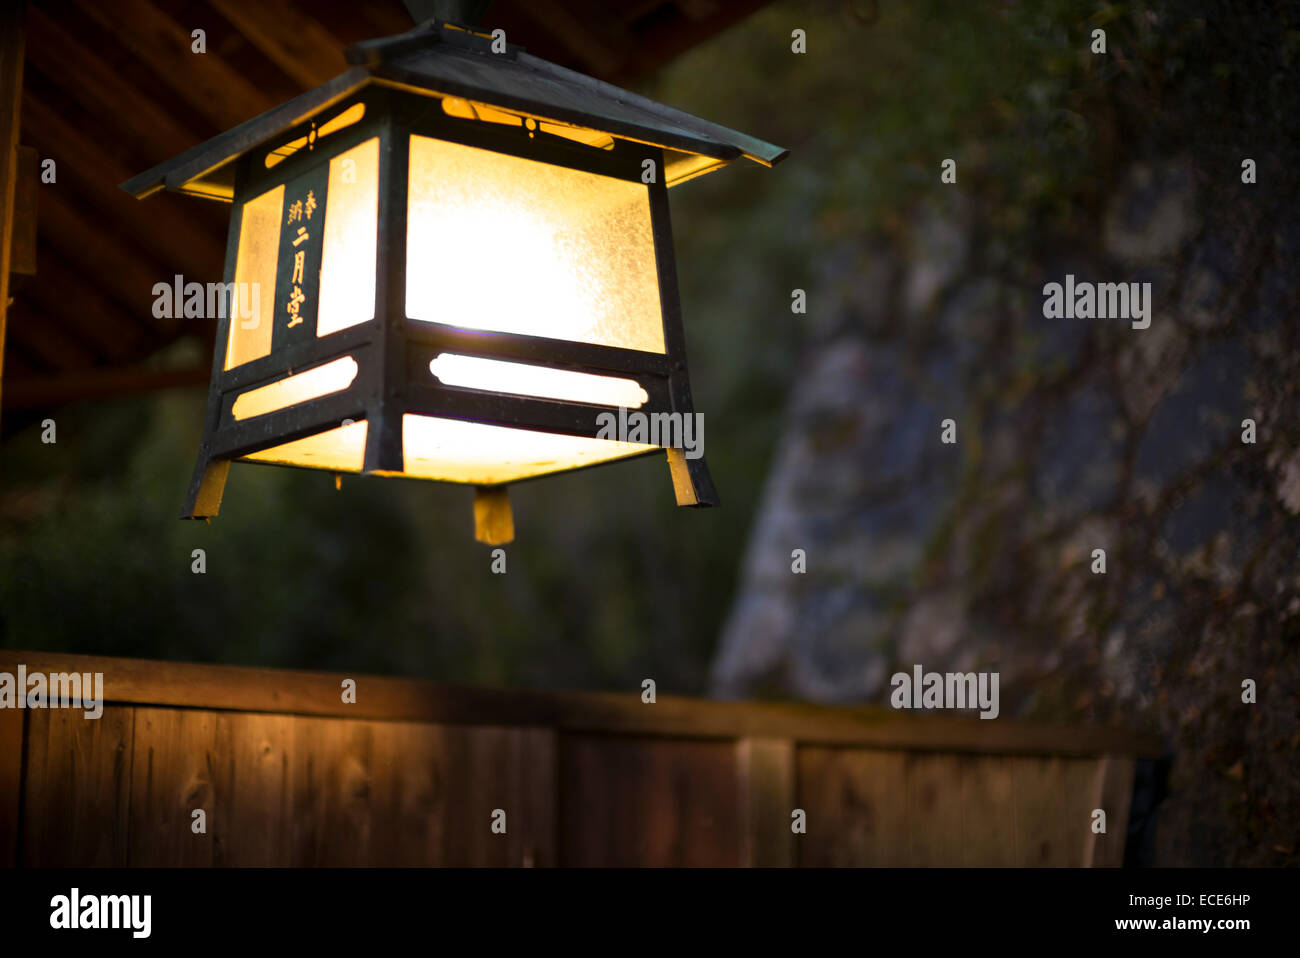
(11, 93)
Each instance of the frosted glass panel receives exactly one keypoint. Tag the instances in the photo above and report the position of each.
(340, 450)
(314, 383)
(476, 452)
(524, 379)
(255, 263)
(454, 451)
(347, 271)
(501, 243)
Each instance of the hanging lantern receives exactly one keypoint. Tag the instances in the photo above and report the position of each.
(452, 262)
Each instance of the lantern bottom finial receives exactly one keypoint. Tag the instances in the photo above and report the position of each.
(494, 522)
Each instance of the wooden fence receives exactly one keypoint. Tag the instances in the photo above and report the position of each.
(414, 773)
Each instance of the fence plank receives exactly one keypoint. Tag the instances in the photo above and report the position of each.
(934, 810)
(78, 787)
(538, 787)
(1116, 794)
(1083, 783)
(251, 818)
(988, 812)
(659, 802)
(173, 773)
(856, 800)
(332, 775)
(512, 770)
(1039, 796)
(11, 783)
(767, 786)
(410, 796)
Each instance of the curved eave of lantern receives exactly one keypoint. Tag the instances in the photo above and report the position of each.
(442, 60)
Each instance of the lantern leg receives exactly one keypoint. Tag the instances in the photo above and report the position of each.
(494, 522)
(206, 488)
(383, 441)
(692, 483)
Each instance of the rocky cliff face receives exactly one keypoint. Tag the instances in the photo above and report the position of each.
(1072, 435)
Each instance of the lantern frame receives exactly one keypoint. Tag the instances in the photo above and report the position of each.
(393, 351)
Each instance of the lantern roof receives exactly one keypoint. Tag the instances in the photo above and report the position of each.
(442, 59)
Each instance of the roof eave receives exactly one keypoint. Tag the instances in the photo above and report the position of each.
(235, 142)
(394, 61)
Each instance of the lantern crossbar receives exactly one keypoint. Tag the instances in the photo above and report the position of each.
(657, 388)
(558, 353)
(287, 425)
(296, 357)
(500, 409)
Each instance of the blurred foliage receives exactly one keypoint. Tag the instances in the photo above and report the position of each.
(608, 582)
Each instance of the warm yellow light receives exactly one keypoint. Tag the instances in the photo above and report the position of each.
(523, 379)
(501, 243)
(351, 115)
(339, 450)
(478, 453)
(348, 255)
(455, 451)
(255, 262)
(331, 378)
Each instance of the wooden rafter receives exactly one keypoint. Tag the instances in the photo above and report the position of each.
(120, 271)
(100, 90)
(171, 238)
(66, 296)
(50, 343)
(601, 50)
(291, 39)
(207, 82)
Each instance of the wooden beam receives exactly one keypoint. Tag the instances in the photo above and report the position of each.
(11, 95)
(49, 391)
(292, 40)
(100, 90)
(141, 681)
(207, 82)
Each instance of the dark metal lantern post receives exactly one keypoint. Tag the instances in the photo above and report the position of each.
(366, 215)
